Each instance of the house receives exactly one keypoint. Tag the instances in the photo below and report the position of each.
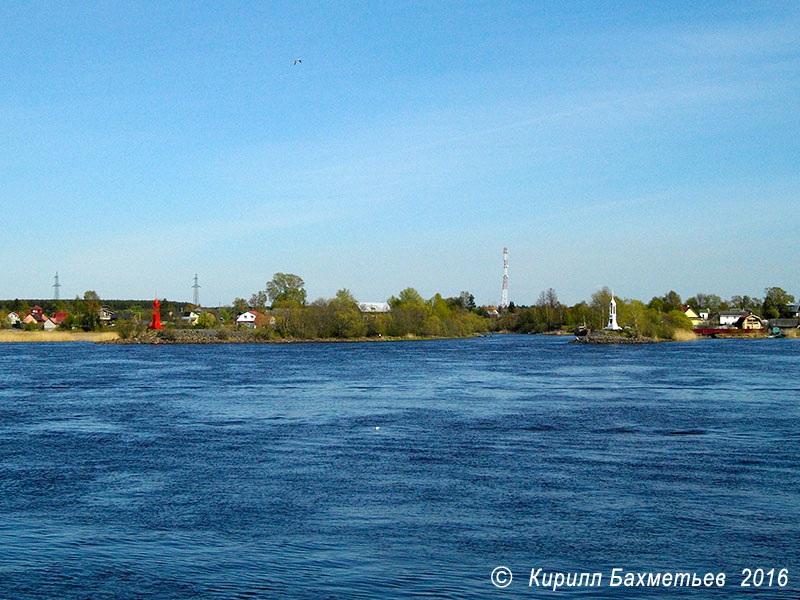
(694, 317)
(749, 322)
(191, 317)
(492, 311)
(374, 307)
(704, 313)
(728, 318)
(14, 319)
(253, 319)
(37, 317)
(59, 317)
(105, 315)
(783, 325)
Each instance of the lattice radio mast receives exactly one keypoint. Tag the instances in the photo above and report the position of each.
(56, 288)
(196, 288)
(504, 294)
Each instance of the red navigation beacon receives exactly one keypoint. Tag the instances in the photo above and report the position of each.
(156, 322)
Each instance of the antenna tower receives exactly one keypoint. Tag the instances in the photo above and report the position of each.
(504, 294)
(196, 288)
(56, 288)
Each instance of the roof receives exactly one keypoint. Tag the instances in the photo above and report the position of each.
(37, 315)
(374, 307)
(255, 313)
(784, 323)
(739, 312)
(748, 316)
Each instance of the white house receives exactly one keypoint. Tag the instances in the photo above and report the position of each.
(253, 319)
(729, 318)
(13, 319)
(374, 307)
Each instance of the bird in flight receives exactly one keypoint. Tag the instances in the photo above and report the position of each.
(297, 60)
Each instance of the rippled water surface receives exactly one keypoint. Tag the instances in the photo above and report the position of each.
(389, 470)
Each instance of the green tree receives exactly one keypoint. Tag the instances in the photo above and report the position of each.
(579, 315)
(679, 320)
(240, 306)
(666, 303)
(599, 305)
(408, 296)
(710, 301)
(776, 303)
(754, 305)
(553, 311)
(258, 301)
(286, 289)
(347, 320)
(206, 320)
(467, 300)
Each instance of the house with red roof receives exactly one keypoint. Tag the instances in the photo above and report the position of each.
(253, 319)
(37, 317)
(59, 317)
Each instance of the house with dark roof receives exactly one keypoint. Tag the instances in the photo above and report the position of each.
(694, 317)
(728, 318)
(750, 322)
(783, 325)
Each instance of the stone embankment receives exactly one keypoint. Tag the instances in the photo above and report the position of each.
(601, 337)
(193, 336)
(238, 336)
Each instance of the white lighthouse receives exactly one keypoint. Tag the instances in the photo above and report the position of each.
(612, 315)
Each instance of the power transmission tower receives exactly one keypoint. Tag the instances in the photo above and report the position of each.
(504, 294)
(196, 288)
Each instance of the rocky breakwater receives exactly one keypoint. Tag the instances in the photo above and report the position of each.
(194, 336)
(608, 337)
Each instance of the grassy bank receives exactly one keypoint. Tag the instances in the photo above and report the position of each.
(12, 336)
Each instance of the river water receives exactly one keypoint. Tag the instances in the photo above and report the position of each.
(396, 470)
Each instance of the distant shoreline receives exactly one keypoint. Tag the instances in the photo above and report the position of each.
(183, 336)
(224, 336)
(216, 336)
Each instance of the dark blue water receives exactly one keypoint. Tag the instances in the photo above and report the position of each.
(390, 470)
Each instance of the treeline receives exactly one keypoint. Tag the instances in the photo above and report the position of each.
(339, 317)
(290, 315)
(84, 312)
(660, 317)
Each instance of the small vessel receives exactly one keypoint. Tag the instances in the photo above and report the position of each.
(581, 330)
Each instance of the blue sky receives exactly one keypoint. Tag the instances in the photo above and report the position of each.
(644, 146)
